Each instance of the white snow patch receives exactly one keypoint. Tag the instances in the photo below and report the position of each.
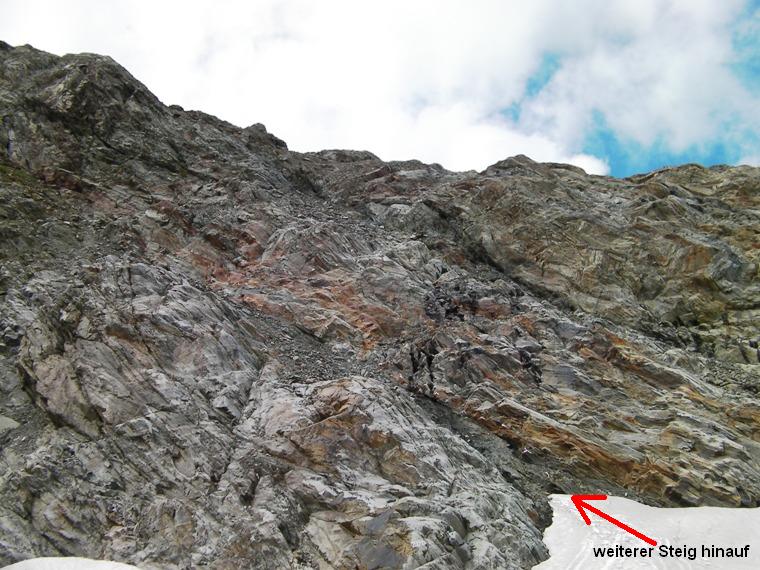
(68, 563)
(571, 541)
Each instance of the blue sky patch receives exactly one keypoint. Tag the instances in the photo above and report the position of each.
(550, 63)
(746, 44)
(627, 157)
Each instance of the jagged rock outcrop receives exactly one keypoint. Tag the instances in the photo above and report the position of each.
(220, 353)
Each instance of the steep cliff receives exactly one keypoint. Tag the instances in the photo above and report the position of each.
(219, 352)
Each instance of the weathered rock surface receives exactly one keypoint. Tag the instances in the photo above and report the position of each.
(220, 353)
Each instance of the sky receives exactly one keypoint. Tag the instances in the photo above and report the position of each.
(615, 87)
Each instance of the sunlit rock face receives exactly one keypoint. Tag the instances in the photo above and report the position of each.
(219, 352)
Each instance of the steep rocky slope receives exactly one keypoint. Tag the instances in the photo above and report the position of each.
(218, 352)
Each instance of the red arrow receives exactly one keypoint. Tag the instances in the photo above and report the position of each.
(580, 503)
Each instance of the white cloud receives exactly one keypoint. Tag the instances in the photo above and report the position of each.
(424, 79)
(667, 75)
(749, 160)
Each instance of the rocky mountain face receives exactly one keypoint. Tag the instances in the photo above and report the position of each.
(217, 352)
